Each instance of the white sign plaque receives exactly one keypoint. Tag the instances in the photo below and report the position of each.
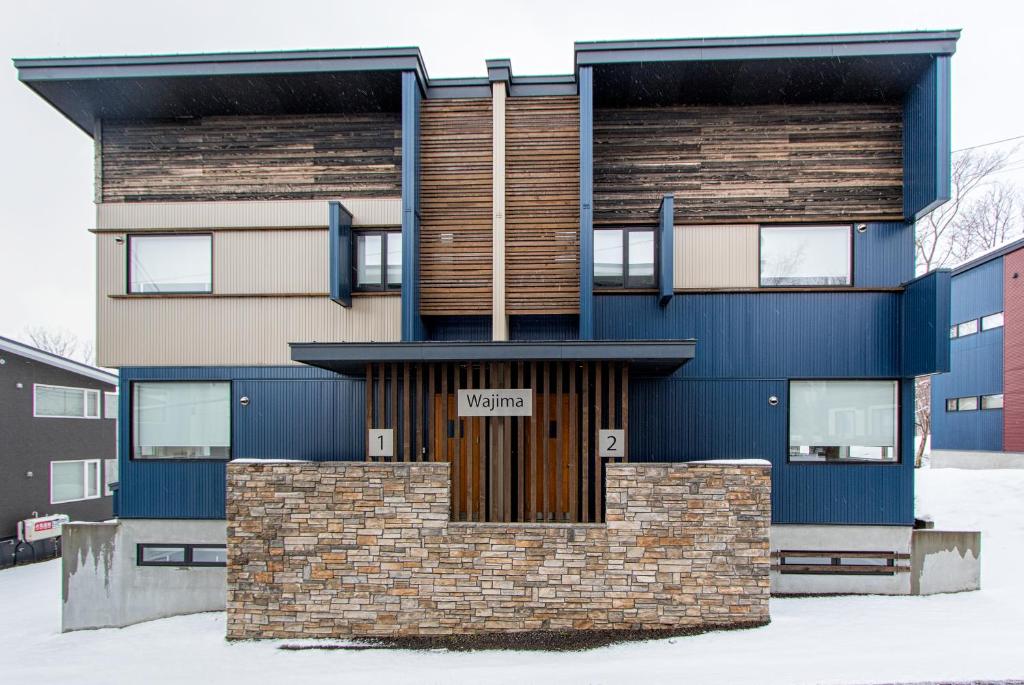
(381, 442)
(496, 402)
(611, 443)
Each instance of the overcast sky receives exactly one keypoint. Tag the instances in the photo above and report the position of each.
(47, 267)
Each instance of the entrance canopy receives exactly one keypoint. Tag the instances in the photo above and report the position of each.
(645, 357)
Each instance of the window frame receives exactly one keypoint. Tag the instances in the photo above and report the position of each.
(85, 479)
(231, 422)
(981, 321)
(384, 286)
(128, 263)
(981, 402)
(626, 283)
(977, 328)
(85, 402)
(109, 397)
(188, 549)
(898, 460)
(849, 266)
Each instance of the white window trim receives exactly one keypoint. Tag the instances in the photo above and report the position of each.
(85, 474)
(107, 492)
(85, 402)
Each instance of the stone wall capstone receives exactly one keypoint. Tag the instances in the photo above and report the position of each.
(355, 549)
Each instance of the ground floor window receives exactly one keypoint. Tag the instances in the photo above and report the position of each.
(72, 481)
(843, 421)
(174, 420)
(173, 554)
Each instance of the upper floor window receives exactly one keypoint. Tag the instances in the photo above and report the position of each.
(965, 328)
(806, 256)
(992, 321)
(55, 401)
(170, 264)
(624, 258)
(181, 420)
(843, 421)
(378, 260)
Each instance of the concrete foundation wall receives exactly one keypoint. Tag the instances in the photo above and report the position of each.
(841, 538)
(961, 459)
(103, 587)
(945, 561)
(335, 549)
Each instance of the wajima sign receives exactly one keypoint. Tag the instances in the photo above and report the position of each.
(495, 402)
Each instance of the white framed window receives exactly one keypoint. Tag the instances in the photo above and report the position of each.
(844, 421)
(170, 264)
(967, 328)
(952, 332)
(110, 405)
(109, 476)
(967, 403)
(181, 420)
(60, 402)
(992, 321)
(806, 256)
(992, 401)
(73, 481)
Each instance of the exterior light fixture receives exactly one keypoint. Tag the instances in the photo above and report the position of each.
(862, 228)
(773, 401)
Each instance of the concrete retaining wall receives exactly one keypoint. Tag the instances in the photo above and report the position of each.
(945, 561)
(103, 587)
(336, 549)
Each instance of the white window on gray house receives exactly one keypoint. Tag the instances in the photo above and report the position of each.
(806, 256)
(71, 481)
(992, 321)
(54, 401)
(170, 264)
(181, 420)
(110, 405)
(843, 421)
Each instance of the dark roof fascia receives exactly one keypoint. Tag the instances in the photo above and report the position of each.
(655, 356)
(50, 359)
(472, 87)
(989, 256)
(767, 47)
(519, 86)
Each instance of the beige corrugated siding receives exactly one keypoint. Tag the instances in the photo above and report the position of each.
(262, 262)
(720, 256)
(142, 216)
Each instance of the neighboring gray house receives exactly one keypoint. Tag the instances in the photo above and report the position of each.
(58, 437)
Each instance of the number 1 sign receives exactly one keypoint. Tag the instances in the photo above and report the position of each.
(611, 443)
(381, 442)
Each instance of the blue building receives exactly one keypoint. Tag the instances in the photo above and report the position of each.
(683, 250)
(978, 407)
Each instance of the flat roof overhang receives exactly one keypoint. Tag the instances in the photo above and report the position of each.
(648, 357)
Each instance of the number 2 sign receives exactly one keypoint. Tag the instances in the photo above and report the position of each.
(381, 442)
(611, 443)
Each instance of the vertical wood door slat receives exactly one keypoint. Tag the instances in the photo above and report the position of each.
(533, 444)
(382, 419)
(598, 425)
(417, 447)
(393, 418)
(520, 452)
(625, 412)
(369, 408)
(429, 419)
(546, 508)
(406, 405)
(506, 459)
(559, 441)
(574, 455)
(466, 483)
(585, 447)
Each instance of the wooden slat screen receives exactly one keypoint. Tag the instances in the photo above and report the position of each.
(750, 164)
(279, 157)
(512, 469)
(542, 161)
(455, 206)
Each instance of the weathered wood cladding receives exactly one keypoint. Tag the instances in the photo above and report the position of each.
(542, 213)
(252, 158)
(455, 206)
(765, 163)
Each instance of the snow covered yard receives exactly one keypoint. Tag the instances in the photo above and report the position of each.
(977, 635)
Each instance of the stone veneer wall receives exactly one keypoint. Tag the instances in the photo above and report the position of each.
(336, 549)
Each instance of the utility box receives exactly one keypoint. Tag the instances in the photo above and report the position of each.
(42, 527)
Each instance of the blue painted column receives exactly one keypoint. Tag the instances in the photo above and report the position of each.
(927, 141)
(586, 85)
(412, 323)
(339, 245)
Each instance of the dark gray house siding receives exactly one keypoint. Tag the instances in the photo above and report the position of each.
(29, 444)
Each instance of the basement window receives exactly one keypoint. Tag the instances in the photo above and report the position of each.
(378, 260)
(843, 421)
(176, 554)
(161, 264)
(806, 256)
(624, 258)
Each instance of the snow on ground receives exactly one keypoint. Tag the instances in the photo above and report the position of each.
(828, 640)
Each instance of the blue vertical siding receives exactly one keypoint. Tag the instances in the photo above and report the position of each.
(766, 335)
(412, 324)
(977, 292)
(458, 328)
(926, 141)
(883, 255)
(586, 86)
(544, 327)
(924, 340)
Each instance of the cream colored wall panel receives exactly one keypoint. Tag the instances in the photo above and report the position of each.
(111, 265)
(173, 331)
(720, 256)
(142, 216)
(262, 262)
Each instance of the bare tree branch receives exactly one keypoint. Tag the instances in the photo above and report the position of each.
(60, 342)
